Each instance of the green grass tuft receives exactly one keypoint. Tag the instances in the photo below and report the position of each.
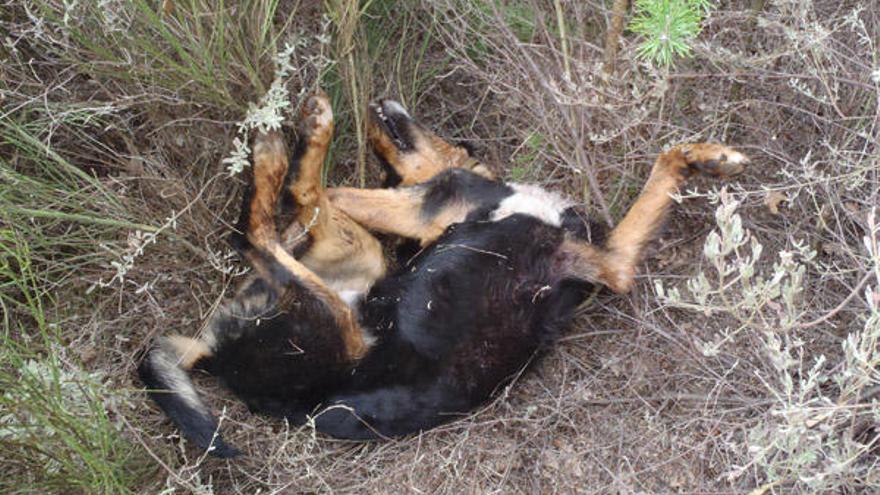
(57, 428)
(204, 52)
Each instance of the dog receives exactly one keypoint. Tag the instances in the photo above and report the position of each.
(324, 331)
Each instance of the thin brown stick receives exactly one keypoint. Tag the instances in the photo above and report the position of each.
(755, 8)
(842, 304)
(612, 37)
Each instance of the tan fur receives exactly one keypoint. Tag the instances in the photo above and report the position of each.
(397, 211)
(318, 126)
(343, 254)
(335, 237)
(626, 242)
(270, 166)
(188, 349)
(581, 260)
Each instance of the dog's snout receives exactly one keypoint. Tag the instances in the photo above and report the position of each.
(395, 122)
(393, 108)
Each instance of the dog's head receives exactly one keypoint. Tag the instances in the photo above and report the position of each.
(413, 153)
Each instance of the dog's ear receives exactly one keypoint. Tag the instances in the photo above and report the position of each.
(412, 152)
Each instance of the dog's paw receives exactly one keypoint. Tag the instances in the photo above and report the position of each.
(270, 156)
(716, 160)
(318, 117)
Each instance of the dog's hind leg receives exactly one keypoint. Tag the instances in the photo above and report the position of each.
(342, 253)
(615, 264)
(269, 257)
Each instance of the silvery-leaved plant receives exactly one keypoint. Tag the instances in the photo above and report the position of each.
(807, 437)
(734, 286)
(813, 435)
(48, 381)
(269, 112)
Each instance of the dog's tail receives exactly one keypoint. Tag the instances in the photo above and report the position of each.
(164, 372)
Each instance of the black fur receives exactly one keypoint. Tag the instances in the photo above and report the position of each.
(238, 238)
(284, 358)
(200, 426)
(196, 422)
(287, 203)
(392, 178)
(462, 320)
(468, 147)
(457, 321)
(576, 222)
(456, 184)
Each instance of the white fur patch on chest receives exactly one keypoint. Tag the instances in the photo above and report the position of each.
(533, 201)
(351, 297)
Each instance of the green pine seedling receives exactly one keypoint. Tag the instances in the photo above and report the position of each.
(669, 27)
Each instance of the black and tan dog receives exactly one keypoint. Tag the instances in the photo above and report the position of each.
(324, 331)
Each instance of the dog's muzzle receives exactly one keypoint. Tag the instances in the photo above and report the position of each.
(395, 122)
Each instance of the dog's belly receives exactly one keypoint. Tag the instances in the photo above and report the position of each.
(467, 316)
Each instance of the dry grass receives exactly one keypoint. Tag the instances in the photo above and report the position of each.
(106, 133)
